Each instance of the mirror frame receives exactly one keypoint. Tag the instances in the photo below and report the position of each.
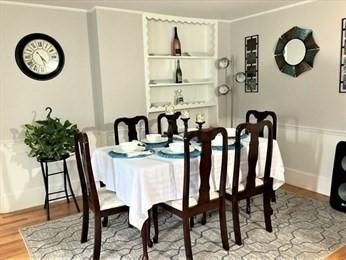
(305, 35)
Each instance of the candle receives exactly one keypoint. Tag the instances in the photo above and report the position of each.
(200, 118)
(185, 114)
(169, 110)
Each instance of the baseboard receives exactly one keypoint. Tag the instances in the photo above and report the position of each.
(31, 197)
(308, 181)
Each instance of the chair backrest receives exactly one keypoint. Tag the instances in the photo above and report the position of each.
(174, 122)
(254, 130)
(262, 115)
(86, 176)
(205, 137)
(131, 123)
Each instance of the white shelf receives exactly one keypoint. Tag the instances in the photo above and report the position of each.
(168, 57)
(185, 106)
(181, 84)
(199, 39)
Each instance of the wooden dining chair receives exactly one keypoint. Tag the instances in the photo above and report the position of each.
(131, 123)
(207, 200)
(253, 185)
(260, 116)
(174, 122)
(102, 202)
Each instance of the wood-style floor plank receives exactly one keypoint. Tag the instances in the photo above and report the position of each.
(12, 245)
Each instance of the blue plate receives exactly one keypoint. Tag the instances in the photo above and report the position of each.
(230, 147)
(241, 137)
(194, 154)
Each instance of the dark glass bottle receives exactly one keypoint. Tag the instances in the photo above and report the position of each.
(176, 47)
(178, 74)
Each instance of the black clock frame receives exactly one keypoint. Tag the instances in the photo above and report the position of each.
(20, 60)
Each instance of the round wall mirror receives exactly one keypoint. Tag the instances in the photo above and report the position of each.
(294, 52)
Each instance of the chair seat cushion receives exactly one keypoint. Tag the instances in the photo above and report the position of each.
(108, 199)
(242, 185)
(178, 204)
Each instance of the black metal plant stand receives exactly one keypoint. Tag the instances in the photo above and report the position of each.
(45, 173)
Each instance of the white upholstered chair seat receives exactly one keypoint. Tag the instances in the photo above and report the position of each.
(178, 204)
(108, 199)
(242, 185)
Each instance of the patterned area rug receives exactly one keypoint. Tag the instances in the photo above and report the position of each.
(302, 229)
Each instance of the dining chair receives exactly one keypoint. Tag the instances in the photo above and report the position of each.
(102, 202)
(131, 123)
(260, 116)
(205, 199)
(253, 185)
(173, 122)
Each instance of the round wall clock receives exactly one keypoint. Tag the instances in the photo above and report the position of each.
(39, 56)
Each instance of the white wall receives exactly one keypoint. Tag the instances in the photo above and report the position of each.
(120, 91)
(24, 100)
(311, 112)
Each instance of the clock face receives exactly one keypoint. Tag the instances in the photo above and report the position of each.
(39, 56)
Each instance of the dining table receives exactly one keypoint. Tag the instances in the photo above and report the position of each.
(143, 181)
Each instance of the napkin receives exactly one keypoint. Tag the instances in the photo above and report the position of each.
(138, 153)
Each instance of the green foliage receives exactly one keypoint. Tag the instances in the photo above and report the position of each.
(50, 138)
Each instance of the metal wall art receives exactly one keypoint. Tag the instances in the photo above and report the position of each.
(342, 83)
(251, 64)
(295, 51)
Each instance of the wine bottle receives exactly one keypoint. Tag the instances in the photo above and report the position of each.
(178, 74)
(176, 47)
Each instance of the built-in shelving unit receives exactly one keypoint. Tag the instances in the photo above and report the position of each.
(198, 39)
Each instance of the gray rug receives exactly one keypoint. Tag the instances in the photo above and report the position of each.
(302, 229)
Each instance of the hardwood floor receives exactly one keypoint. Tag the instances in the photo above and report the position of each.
(12, 246)
(11, 243)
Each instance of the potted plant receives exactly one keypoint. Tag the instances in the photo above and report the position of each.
(50, 139)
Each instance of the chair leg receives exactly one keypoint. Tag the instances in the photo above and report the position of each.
(192, 222)
(273, 196)
(97, 235)
(248, 206)
(267, 210)
(85, 225)
(204, 218)
(187, 239)
(150, 242)
(156, 224)
(144, 234)
(223, 225)
(236, 225)
(105, 222)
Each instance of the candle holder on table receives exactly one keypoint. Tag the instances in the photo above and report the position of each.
(186, 124)
(171, 127)
(200, 124)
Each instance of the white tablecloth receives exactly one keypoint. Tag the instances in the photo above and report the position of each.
(143, 182)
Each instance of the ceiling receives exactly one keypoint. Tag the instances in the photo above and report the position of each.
(213, 9)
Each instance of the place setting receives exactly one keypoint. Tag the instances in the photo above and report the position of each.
(175, 150)
(133, 149)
